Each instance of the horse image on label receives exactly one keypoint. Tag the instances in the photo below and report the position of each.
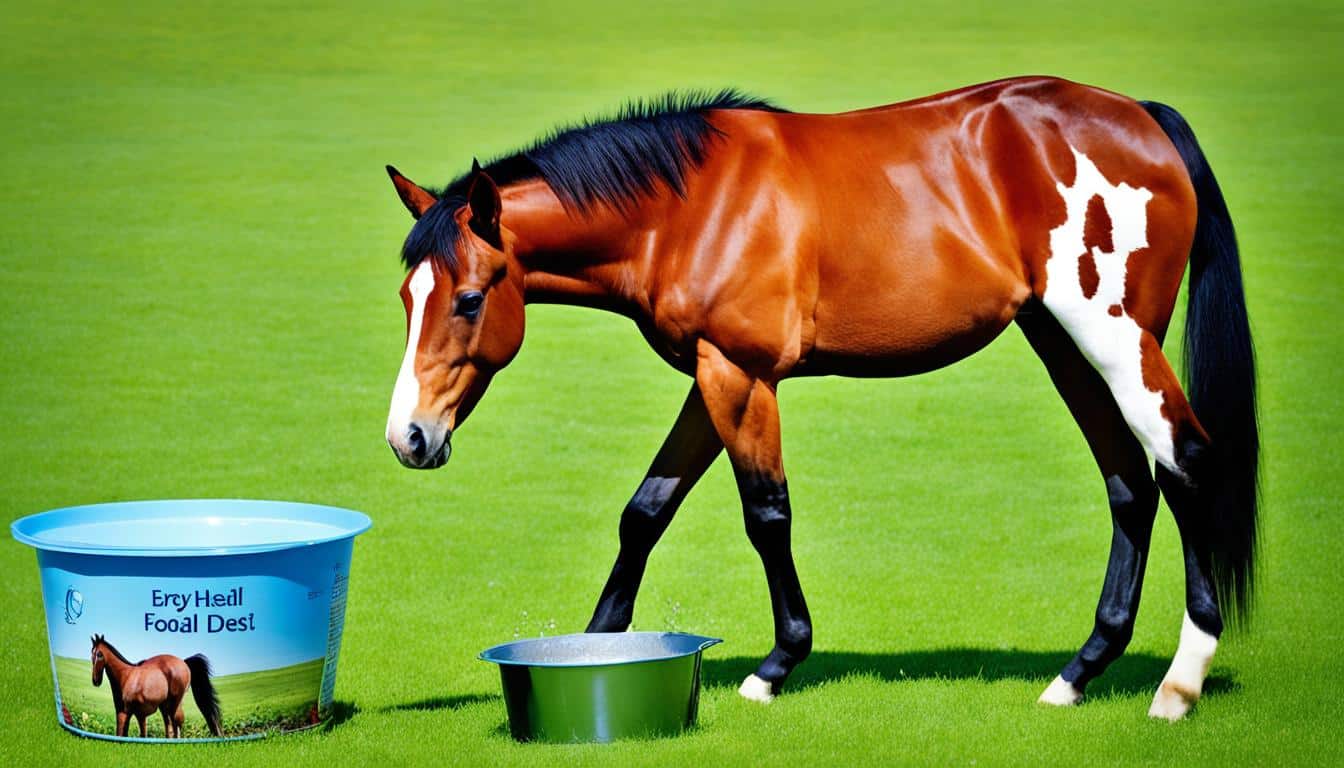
(157, 684)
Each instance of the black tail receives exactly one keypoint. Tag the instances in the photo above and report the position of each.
(1220, 379)
(203, 691)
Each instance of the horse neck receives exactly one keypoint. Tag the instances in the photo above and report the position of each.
(586, 259)
(113, 666)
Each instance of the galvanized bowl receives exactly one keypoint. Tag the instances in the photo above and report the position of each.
(600, 686)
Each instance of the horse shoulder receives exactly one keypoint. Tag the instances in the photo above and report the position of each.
(746, 280)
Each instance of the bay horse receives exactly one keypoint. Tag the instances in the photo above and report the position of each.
(750, 244)
(157, 683)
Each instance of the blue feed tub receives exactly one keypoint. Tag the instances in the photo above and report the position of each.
(182, 603)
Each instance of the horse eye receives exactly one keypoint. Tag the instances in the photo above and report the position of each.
(469, 304)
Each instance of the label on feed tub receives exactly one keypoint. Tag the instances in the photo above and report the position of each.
(335, 626)
(205, 647)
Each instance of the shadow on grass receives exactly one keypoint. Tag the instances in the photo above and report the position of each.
(1131, 674)
(341, 711)
(435, 703)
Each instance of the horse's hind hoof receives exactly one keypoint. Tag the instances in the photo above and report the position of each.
(1060, 693)
(756, 689)
(1171, 702)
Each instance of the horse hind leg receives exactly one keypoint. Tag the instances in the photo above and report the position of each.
(1156, 410)
(1161, 417)
(1146, 390)
(1130, 490)
(171, 709)
(1203, 623)
(1112, 293)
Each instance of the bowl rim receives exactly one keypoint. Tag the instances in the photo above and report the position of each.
(704, 642)
(33, 529)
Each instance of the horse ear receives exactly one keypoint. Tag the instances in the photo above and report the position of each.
(483, 196)
(416, 200)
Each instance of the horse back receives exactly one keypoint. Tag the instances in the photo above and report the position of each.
(898, 239)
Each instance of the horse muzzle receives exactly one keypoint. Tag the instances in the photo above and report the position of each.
(422, 446)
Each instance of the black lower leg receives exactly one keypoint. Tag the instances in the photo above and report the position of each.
(1201, 599)
(643, 522)
(765, 504)
(1133, 501)
(687, 452)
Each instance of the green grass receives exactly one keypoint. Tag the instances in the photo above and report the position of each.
(199, 278)
(248, 702)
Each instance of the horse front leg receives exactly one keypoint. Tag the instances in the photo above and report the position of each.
(123, 721)
(141, 720)
(687, 452)
(745, 412)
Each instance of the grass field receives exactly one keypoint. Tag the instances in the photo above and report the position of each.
(248, 702)
(199, 277)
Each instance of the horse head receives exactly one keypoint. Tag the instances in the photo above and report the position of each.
(97, 659)
(464, 314)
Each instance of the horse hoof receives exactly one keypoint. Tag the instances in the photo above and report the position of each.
(756, 689)
(1060, 693)
(1171, 702)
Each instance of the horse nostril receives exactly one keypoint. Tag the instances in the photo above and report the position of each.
(415, 438)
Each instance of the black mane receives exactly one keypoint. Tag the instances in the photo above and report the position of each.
(612, 162)
(115, 652)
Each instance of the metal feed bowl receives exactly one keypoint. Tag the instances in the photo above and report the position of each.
(600, 686)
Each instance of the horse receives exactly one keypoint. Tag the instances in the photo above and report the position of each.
(157, 683)
(751, 244)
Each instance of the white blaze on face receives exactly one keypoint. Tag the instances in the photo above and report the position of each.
(406, 394)
(1109, 341)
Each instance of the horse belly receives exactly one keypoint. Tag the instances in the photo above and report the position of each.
(906, 354)
(149, 692)
(911, 320)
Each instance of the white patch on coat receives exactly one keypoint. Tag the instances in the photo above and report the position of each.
(1060, 693)
(406, 393)
(1110, 343)
(1184, 681)
(756, 689)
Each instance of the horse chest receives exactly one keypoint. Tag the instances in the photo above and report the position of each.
(670, 344)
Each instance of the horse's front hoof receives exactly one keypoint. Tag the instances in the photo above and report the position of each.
(756, 689)
(1172, 702)
(1060, 693)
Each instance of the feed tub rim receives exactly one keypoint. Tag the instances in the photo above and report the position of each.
(34, 529)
